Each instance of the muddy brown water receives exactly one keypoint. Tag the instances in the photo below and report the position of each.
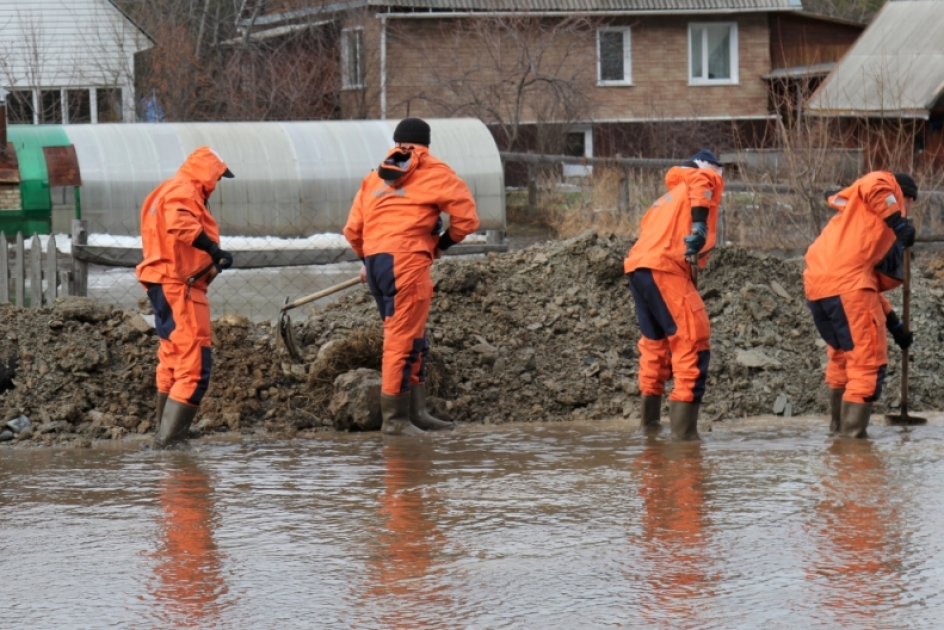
(766, 523)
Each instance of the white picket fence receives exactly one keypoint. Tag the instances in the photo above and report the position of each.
(33, 278)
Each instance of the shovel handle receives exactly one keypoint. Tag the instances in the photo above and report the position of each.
(320, 294)
(906, 322)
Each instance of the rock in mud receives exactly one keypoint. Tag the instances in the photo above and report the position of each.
(355, 405)
(80, 309)
(18, 424)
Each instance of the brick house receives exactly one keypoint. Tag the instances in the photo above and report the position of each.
(588, 77)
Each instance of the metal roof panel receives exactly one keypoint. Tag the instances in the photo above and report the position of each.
(897, 65)
(698, 6)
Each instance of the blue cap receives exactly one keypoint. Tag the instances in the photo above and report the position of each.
(705, 155)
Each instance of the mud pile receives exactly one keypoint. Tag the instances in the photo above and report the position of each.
(543, 333)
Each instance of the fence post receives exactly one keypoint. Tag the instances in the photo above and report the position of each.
(79, 267)
(36, 272)
(19, 277)
(65, 281)
(4, 270)
(51, 266)
(624, 191)
(532, 187)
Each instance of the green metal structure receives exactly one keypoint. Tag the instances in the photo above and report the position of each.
(35, 212)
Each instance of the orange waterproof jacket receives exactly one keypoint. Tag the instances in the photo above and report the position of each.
(401, 217)
(845, 255)
(173, 216)
(660, 244)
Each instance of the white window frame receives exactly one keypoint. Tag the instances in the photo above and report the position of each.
(627, 57)
(734, 80)
(345, 59)
(581, 170)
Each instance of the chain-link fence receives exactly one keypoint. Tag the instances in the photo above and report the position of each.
(35, 270)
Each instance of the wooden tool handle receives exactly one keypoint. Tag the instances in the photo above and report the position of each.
(906, 324)
(321, 294)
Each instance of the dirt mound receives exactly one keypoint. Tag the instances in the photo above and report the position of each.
(543, 333)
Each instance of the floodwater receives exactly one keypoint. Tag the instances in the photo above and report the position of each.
(763, 524)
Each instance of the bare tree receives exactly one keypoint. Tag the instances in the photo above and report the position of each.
(514, 72)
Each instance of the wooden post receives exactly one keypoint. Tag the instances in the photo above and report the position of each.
(51, 267)
(722, 227)
(532, 187)
(79, 267)
(4, 270)
(36, 272)
(65, 282)
(19, 277)
(624, 191)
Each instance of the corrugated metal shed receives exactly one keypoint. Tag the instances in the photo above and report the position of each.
(690, 6)
(292, 178)
(896, 67)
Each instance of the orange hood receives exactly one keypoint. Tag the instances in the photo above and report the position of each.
(203, 167)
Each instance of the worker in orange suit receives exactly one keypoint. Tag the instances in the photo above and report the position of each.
(189, 567)
(394, 227)
(182, 256)
(857, 256)
(676, 234)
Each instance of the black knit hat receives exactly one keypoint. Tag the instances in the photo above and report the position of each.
(908, 186)
(412, 131)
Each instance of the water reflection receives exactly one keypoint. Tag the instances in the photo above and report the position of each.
(189, 583)
(408, 542)
(671, 477)
(858, 565)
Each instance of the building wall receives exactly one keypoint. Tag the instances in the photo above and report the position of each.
(68, 44)
(797, 40)
(424, 54)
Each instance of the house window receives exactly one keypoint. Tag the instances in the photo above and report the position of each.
(108, 106)
(50, 106)
(578, 143)
(352, 57)
(613, 57)
(20, 107)
(80, 106)
(713, 53)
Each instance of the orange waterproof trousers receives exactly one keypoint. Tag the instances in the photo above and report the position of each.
(853, 326)
(184, 360)
(403, 289)
(675, 334)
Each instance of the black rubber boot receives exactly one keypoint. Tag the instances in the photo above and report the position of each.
(419, 416)
(161, 402)
(854, 419)
(835, 409)
(651, 413)
(683, 418)
(396, 415)
(175, 423)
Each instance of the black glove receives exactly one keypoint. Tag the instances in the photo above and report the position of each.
(695, 242)
(903, 229)
(896, 329)
(222, 258)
